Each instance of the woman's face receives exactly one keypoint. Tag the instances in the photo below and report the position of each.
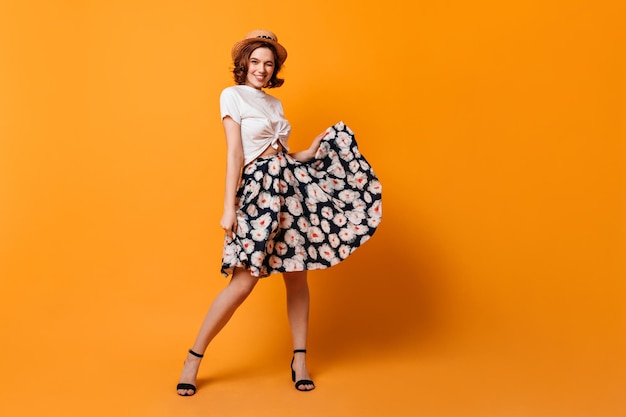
(260, 67)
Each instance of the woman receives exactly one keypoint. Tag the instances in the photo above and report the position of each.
(283, 212)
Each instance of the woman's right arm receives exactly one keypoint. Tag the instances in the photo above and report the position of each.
(234, 164)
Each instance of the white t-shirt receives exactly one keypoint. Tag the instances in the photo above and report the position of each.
(260, 116)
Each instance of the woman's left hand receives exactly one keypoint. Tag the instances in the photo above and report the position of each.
(316, 143)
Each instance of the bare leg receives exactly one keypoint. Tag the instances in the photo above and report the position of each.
(297, 288)
(222, 309)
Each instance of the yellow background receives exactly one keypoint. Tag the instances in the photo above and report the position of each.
(494, 287)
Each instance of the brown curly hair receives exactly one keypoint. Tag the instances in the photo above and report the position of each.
(241, 62)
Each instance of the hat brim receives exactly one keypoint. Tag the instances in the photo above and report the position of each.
(280, 50)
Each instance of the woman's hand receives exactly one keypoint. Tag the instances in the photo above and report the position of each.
(305, 156)
(316, 143)
(229, 222)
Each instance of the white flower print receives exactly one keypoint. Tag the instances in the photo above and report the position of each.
(264, 200)
(325, 226)
(337, 170)
(281, 248)
(257, 258)
(262, 222)
(229, 254)
(291, 265)
(327, 212)
(316, 193)
(367, 197)
(333, 239)
(312, 252)
(315, 234)
(300, 253)
(343, 140)
(364, 239)
(340, 219)
(355, 217)
(269, 246)
(275, 204)
(359, 205)
(364, 165)
(374, 187)
(285, 220)
(360, 229)
(322, 151)
(344, 251)
(311, 205)
(338, 203)
(275, 262)
(347, 234)
(315, 220)
(348, 196)
(373, 221)
(293, 205)
(312, 266)
(302, 175)
(247, 245)
(293, 238)
(326, 185)
(347, 156)
(252, 188)
(303, 224)
(358, 180)
(252, 210)
(288, 176)
(330, 133)
(249, 169)
(267, 182)
(376, 210)
(242, 227)
(353, 166)
(273, 167)
(259, 234)
(282, 186)
(258, 175)
(338, 184)
(327, 253)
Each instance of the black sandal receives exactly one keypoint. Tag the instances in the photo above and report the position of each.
(293, 374)
(189, 386)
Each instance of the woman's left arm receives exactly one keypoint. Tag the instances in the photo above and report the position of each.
(307, 155)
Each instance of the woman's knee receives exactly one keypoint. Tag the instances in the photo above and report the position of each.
(295, 280)
(242, 283)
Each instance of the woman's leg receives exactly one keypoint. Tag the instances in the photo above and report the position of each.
(298, 312)
(222, 309)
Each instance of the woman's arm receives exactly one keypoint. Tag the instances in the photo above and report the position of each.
(307, 155)
(234, 164)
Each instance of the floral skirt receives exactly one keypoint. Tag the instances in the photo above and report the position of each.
(298, 216)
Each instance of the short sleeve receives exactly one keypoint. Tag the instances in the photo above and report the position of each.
(229, 105)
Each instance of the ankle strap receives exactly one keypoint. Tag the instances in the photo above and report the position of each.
(299, 351)
(197, 355)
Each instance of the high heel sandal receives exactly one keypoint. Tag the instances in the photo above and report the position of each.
(293, 374)
(189, 386)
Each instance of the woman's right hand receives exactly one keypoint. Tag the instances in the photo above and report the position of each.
(229, 222)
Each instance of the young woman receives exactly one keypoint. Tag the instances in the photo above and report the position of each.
(283, 212)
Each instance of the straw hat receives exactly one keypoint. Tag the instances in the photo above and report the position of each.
(262, 35)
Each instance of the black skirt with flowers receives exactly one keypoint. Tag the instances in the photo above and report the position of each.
(297, 216)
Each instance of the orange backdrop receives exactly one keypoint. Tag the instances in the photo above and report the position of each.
(495, 285)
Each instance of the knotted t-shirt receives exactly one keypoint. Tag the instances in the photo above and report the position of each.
(260, 117)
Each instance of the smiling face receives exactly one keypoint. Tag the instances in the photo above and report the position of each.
(260, 68)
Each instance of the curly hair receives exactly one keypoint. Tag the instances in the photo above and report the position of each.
(241, 62)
